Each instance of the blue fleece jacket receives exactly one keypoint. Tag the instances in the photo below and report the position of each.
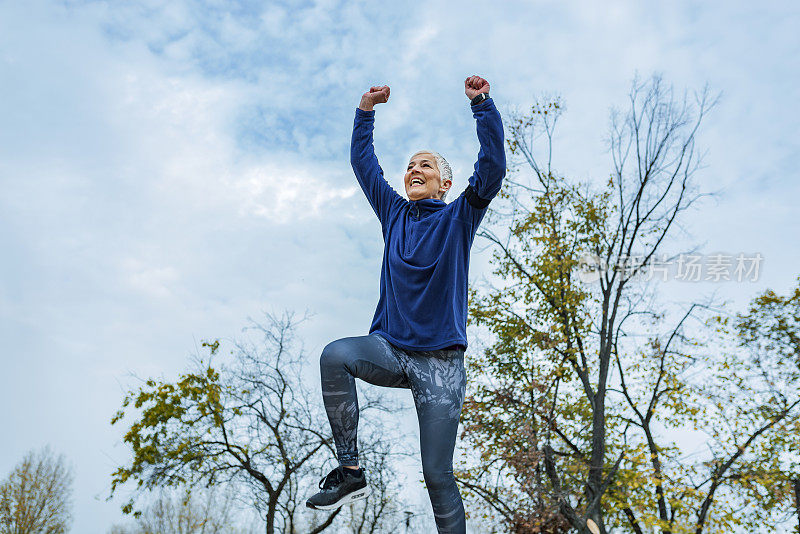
(423, 302)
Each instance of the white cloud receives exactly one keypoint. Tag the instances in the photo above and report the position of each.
(286, 193)
(153, 281)
(169, 168)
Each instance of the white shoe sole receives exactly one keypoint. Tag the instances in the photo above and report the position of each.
(363, 493)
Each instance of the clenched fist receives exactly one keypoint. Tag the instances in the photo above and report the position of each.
(475, 85)
(375, 95)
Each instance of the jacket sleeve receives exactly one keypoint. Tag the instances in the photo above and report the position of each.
(383, 199)
(490, 168)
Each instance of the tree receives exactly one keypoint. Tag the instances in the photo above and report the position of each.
(175, 512)
(754, 391)
(587, 376)
(37, 495)
(249, 422)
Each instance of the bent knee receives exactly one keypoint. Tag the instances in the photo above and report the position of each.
(335, 354)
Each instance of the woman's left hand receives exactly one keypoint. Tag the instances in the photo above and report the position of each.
(475, 85)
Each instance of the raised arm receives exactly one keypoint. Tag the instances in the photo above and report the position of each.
(362, 156)
(490, 168)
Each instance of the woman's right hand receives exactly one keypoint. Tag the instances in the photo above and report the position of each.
(375, 95)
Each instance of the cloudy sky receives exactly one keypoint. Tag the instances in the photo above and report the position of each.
(169, 169)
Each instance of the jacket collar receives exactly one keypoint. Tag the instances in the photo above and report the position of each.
(427, 205)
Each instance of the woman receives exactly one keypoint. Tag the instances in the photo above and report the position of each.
(418, 335)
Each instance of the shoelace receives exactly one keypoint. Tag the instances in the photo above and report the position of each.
(332, 478)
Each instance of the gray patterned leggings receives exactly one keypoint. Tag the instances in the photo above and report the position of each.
(437, 381)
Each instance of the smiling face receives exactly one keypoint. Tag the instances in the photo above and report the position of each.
(422, 179)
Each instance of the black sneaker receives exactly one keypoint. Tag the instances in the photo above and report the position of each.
(340, 486)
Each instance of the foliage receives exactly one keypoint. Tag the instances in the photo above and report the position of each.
(590, 389)
(175, 512)
(36, 498)
(249, 422)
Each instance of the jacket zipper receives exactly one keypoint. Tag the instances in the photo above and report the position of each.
(408, 230)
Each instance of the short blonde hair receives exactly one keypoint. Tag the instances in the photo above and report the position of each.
(445, 172)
